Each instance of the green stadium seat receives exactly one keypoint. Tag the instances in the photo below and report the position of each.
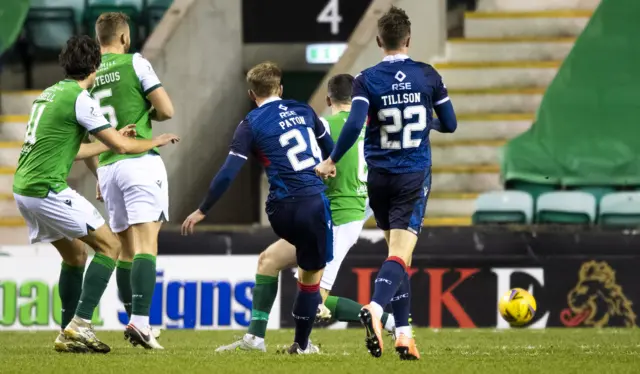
(49, 28)
(503, 207)
(566, 207)
(533, 189)
(597, 191)
(620, 209)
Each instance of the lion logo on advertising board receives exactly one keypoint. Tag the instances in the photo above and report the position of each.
(597, 300)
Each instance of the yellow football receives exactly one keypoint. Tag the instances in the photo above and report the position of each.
(517, 306)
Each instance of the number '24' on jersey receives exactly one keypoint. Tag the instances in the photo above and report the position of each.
(282, 135)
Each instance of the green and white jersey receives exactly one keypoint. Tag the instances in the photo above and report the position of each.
(59, 121)
(347, 192)
(123, 82)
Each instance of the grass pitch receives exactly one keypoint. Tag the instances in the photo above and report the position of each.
(443, 351)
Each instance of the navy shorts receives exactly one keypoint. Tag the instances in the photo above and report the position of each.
(306, 223)
(399, 201)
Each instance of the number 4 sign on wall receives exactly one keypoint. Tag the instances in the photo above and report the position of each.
(331, 14)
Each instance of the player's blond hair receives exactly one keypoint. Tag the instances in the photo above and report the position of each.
(109, 26)
(264, 79)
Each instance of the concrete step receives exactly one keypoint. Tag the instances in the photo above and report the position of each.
(508, 49)
(480, 152)
(486, 126)
(537, 5)
(12, 128)
(559, 23)
(451, 204)
(9, 153)
(466, 178)
(8, 207)
(13, 232)
(497, 74)
(17, 102)
(6, 179)
(504, 100)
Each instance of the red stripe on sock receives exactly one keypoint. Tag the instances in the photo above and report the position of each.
(309, 287)
(398, 260)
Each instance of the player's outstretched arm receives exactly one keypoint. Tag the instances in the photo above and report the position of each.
(217, 188)
(240, 147)
(123, 145)
(92, 149)
(446, 121)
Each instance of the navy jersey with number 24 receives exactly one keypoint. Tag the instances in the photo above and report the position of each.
(282, 135)
(401, 94)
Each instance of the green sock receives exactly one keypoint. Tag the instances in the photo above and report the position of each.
(347, 310)
(70, 288)
(143, 282)
(95, 282)
(123, 279)
(264, 294)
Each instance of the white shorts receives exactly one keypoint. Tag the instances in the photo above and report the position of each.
(135, 190)
(344, 237)
(59, 215)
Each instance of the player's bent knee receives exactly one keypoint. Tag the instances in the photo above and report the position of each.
(104, 241)
(267, 265)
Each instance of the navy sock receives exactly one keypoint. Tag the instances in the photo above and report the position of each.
(388, 281)
(304, 312)
(401, 302)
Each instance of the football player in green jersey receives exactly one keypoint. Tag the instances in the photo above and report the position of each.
(54, 213)
(134, 187)
(347, 194)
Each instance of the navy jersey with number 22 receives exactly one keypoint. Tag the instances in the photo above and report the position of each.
(401, 94)
(282, 134)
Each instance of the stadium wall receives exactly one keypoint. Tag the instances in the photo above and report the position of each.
(196, 50)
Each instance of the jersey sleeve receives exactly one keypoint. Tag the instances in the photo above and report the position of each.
(327, 127)
(89, 115)
(360, 91)
(242, 140)
(145, 73)
(440, 93)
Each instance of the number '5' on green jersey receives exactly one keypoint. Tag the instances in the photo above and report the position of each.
(347, 192)
(59, 121)
(123, 82)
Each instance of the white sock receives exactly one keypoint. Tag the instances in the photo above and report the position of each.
(377, 309)
(391, 323)
(253, 340)
(406, 330)
(139, 321)
(85, 320)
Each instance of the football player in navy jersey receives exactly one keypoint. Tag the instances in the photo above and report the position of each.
(290, 140)
(398, 96)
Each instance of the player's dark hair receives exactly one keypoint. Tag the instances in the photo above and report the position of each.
(340, 87)
(264, 79)
(394, 28)
(109, 26)
(80, 57)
